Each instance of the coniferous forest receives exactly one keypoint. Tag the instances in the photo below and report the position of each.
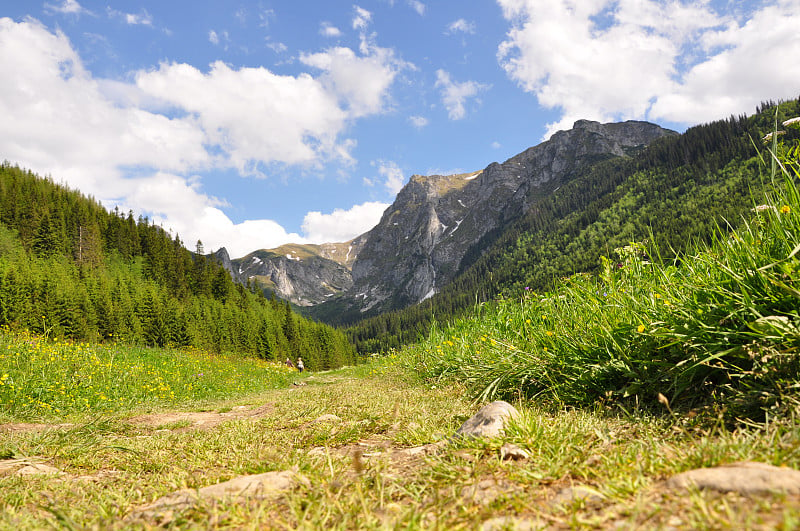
(71, 269)
(676, 192)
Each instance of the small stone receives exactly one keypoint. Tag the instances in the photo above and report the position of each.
(427, 449)
(38, 469)
(502, 523)
(328, 418)
(513, 452)
(486, 491)
(577, 493)
(489, 421)
(746, 477)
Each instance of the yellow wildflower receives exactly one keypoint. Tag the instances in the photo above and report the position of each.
(785, 209)
(640, 328)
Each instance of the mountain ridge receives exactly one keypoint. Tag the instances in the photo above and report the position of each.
(435, 222)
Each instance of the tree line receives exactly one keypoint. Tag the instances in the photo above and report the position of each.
(69, 268)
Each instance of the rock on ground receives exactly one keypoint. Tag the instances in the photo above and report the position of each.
(489, 421)
(745, 477)
(258, 486)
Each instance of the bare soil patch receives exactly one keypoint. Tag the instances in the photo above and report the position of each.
(200, 420)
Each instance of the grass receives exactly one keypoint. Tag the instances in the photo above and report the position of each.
(113, 466)
(41, 379)
(717, 331)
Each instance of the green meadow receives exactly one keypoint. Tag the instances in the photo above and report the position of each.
(623, 379)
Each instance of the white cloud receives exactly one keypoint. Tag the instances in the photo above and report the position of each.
(342, 225)
(277, 47)
(496, 145)
(219, 38)
(265, 16)
(455, 95)
(360, 81)
(133, 19)
(144, 18)
(233, 106)
(198, 218)
(361, 19)
(175, 121)
(417, 6)
(418, 121)
(641, 59)
(67, 7)
(393, 179)
(326, 29)
(460, 26)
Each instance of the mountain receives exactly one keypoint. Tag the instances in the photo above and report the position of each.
(678, 191)
(439, 224)
(435, 228)
(302, 274)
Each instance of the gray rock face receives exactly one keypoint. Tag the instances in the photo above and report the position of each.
(303, 274)
(489, 421)
(424, 236)
(436, 225)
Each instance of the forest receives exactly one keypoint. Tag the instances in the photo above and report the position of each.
(672, 193)
(71, 269)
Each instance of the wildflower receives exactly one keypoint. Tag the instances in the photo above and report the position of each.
(640, 328)
(785, 209)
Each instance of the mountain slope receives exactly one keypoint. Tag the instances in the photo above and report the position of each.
(302, 274)
(439, 224)
(677, 190)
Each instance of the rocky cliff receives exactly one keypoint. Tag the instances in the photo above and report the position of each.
(303, 274)
(436, 221)
(435, 227)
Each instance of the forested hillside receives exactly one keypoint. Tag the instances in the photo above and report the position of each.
(71, 269)
(675, 191)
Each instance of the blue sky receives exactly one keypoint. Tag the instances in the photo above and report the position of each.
(252, 124)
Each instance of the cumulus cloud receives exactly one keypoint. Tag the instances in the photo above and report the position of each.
(455, 95)
(213, 38)
(460, 26)
(342, 225)
(418, 121)
(641, 59)
(326, 29)
(174, 122)
(361, 81)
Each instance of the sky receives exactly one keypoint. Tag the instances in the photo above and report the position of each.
(250, 124)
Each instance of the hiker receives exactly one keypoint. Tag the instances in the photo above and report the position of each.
(300, 365)
(289, 363)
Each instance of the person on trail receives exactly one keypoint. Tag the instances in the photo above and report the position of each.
(300, 365)
(289, 363)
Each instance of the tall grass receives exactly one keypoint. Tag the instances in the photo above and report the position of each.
(720, 328)
(46, 379)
